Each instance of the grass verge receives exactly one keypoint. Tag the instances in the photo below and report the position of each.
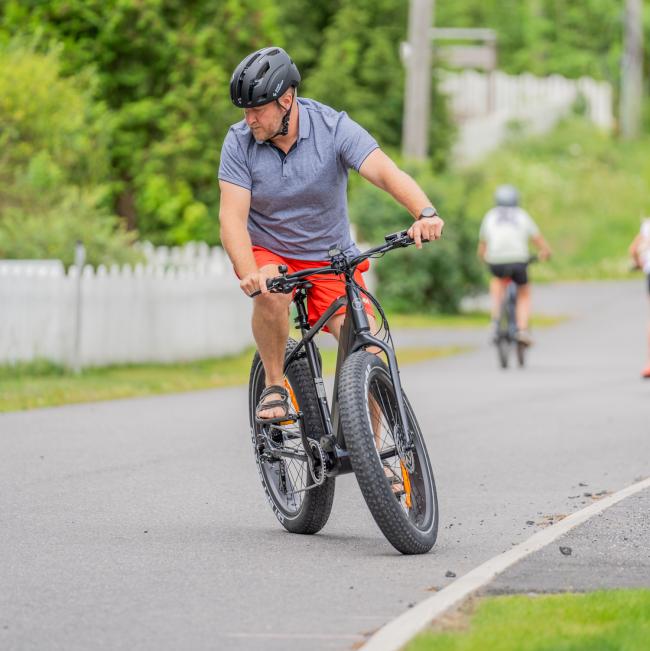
(42, 384)
(597, 621)
(466, 320)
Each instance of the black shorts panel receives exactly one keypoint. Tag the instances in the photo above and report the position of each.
(518, 271)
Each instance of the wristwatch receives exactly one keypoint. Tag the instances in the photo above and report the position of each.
(427, 213)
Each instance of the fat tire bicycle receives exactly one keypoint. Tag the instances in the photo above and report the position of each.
(370, 429)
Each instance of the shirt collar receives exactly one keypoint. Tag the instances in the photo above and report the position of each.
(304, 121)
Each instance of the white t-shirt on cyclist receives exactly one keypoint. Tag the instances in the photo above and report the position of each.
(644, 245)
(506, 232)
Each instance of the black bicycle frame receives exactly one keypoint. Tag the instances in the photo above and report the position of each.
(355, 335)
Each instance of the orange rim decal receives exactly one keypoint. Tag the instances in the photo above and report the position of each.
(406, 480)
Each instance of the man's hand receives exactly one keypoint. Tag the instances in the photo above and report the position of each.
(427, 228)
(257, 280)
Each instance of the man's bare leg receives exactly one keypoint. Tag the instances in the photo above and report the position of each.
(497, 291)
(271, 331)
(523, 306)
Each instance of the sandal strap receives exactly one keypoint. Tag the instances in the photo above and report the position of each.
(283, 402)
(275, 388)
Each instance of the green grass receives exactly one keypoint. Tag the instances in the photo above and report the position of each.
(42, 384)
(476, 319)
(617, 620)
(585, 189)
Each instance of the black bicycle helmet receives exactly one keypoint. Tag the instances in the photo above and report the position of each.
(262, 77)
(506, 195)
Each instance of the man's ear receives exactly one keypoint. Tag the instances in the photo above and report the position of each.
(287, 98)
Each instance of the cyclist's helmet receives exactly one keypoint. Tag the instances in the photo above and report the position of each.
(262, 77)
(506, 195)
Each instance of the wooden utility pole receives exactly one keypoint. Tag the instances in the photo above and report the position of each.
(417, 90)
(632, 70)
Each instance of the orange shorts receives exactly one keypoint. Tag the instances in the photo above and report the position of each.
(325, 290)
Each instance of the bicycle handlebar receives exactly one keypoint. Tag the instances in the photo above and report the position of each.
(284, 284)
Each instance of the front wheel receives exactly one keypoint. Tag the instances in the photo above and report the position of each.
(404, 504)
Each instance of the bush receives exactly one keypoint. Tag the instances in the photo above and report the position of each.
(54, 157)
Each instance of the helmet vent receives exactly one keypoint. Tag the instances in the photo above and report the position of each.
(265, 68)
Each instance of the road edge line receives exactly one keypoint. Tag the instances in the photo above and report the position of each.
(399, 631)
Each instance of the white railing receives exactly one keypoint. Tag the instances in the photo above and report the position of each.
(484, 106)
(184, 303)
(128, 314)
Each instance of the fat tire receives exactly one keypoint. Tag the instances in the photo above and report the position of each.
(502, 350)
(317, 502)
(521, 354)
(354, 380)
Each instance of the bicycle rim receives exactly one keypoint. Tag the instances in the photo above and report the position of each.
(285, 478)
(413, 490)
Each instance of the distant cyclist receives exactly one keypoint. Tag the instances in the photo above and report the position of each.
(640, 252)
(504, 237)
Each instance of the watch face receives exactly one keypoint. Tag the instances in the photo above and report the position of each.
(428, 212)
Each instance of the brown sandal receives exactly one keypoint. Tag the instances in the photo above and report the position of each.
(271, 404)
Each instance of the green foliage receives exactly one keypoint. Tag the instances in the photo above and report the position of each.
(359, 71)
(53, 155)
(436, 277)
(585, 189)
(122, 106)
(542, 37)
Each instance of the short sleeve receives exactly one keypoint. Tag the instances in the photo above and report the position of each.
(531, 227)
(353, 143)
(232, 166)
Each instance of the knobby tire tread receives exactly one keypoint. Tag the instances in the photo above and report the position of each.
(385, 509)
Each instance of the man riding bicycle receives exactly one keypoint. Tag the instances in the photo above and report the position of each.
(283, 181)
(503, 244)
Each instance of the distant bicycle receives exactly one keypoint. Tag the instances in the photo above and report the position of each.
(370, 429)
(506, 335)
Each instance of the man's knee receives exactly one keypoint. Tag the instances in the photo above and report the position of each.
(273, 304)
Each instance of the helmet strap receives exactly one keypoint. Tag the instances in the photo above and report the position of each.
(284, 128)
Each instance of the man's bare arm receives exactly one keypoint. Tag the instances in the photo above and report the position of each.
(233, 217)
(381, 171)
(543, 247)
(634, 250)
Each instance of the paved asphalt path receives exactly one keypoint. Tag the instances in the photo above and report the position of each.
(140, 524)
(610, 550)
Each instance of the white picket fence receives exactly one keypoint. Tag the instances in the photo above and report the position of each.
(484, 105)
(127, 314)
(183, 304)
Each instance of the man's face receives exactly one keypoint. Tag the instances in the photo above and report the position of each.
(265, 121)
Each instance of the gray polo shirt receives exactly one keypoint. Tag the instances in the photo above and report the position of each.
(299, 202)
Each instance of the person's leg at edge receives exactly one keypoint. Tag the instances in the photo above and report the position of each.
(271, 332)
(645, 373)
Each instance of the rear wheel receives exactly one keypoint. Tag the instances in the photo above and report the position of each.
(521, 354)
(503, 348)
(299, 504)
(403, 503)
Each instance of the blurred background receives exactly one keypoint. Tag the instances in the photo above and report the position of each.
(113, 112)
